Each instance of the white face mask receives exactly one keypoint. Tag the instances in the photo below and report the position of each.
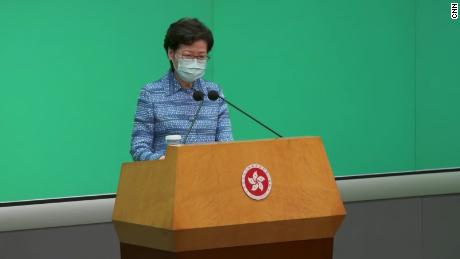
(190, 70)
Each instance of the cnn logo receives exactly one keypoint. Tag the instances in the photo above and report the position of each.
(454, 11)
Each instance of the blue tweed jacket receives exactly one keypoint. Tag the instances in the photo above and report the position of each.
(165, 108)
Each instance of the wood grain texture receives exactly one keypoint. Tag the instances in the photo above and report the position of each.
(196, 194)
(209, 193)
(146, 192)
(227, 236)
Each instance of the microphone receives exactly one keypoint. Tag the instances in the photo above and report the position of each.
(214, 95)
(199, 97)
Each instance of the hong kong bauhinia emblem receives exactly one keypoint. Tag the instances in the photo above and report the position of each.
(256, 182)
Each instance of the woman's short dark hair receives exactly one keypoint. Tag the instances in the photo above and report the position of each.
(186, 31)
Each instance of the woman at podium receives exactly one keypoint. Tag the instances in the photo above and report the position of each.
(177, 104)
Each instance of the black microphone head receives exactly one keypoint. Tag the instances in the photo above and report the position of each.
(198, 96)
(213, 95)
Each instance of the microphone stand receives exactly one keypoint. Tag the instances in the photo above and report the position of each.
(214, 95)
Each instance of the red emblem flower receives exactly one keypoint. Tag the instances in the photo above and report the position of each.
(256, 182)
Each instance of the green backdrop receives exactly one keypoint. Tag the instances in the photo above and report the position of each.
(378, 80)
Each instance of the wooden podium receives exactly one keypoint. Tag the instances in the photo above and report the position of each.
(197, 202)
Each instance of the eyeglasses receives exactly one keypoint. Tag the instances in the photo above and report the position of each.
(191, 57)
